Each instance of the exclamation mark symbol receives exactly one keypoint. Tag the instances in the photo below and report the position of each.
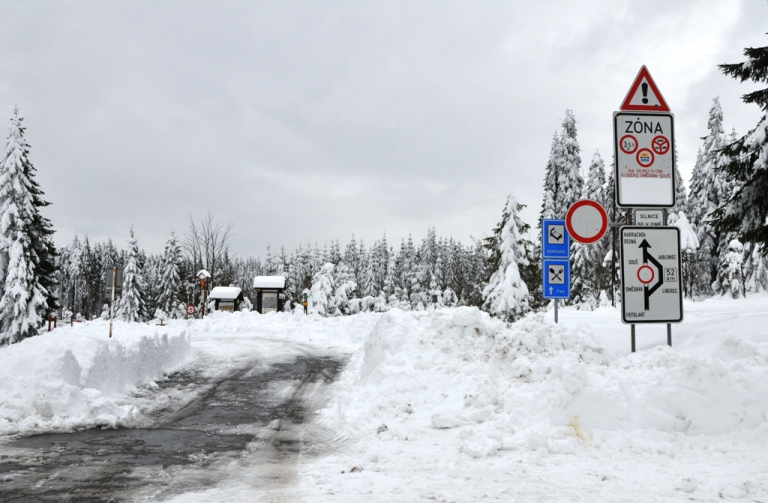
(644, 85)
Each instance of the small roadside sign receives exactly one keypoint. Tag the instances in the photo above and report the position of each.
(649, 217)
(586, 221)
(555, 242)
(557, 279)
(650, 275)
(643, 95)
(191, 309)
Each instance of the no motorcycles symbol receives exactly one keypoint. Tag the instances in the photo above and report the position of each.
(628, 144)
(645, 158)
(660, 145)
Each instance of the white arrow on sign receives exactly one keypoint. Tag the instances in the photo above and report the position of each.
(586, 221)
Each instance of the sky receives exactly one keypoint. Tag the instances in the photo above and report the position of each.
(306, 122)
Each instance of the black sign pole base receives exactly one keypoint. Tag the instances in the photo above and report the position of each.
(633, 337)
(669, 334)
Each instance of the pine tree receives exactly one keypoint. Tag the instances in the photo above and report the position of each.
(568, 167)
(611, 261)
(745, 210)
(169, 299)
(709, 191)
(321, 293)
(131, 306)
(27, 254)
(506, 295)
(589, 274)
(730, 278)
(344, 285)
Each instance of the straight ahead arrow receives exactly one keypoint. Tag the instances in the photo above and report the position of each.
(646, 257)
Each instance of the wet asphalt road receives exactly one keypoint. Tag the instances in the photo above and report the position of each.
(254, 411)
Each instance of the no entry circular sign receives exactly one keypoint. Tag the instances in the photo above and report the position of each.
(586, 221)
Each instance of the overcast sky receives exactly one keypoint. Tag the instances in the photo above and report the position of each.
(302, 122)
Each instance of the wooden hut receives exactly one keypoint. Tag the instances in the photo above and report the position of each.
(270, 293)
(227, 298)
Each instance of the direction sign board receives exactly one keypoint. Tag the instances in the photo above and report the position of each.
(650, 275)
(557, 279)
(644, 148)
(586, 221)
(643, 95)
(555, 242)
(649, 217)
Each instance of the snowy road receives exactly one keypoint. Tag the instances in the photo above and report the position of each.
(254, 416)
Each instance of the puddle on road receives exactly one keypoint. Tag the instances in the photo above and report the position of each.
(110, 465)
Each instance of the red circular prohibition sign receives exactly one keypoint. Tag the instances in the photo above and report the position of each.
(641, 273)
(586, 221)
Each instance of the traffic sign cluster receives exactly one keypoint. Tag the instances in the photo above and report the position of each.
(644, 153)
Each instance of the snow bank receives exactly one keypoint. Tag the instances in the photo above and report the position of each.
(77, 377)
(540, 386)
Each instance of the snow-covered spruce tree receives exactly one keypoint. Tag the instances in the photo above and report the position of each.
(570, 183)
(321, 293)
(689, 243)
(131, 306)
(681, 194)
(745, 210)
(344, 287)
(551, 181)
(23, 304)
(730, 280)
(755, 269)
(589, 274)
(27, 255)
(506, 295)
(529, 269)
(709, 191)
(168, 299)
(612, 261)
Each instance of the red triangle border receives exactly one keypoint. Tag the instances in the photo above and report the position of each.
(644, 73)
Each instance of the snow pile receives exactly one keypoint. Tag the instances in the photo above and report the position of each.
(77, 377)
(541, 387)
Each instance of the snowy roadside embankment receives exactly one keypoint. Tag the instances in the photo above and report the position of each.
(432, 388)
(509, 383)
(77, 377)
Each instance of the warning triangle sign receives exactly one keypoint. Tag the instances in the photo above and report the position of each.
(644, 95)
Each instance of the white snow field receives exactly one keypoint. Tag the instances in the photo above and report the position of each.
(451, 405)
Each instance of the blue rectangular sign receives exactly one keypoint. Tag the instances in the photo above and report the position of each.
(557, 279)
(555, 242)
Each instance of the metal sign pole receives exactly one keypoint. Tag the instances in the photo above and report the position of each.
(112, 304)
(669, 334)
(633, 337)
(202, 298)
(556, 310)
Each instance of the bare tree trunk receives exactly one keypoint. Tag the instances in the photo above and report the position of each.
(206, 244)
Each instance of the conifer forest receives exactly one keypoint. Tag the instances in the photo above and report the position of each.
(721, 211)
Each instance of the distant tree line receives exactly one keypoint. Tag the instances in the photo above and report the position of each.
(725, 217)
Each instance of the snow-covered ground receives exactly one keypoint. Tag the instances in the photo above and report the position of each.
(452, 405)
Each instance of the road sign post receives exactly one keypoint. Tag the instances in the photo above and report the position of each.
(644, 169)
(650, 275)
(556, 251)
